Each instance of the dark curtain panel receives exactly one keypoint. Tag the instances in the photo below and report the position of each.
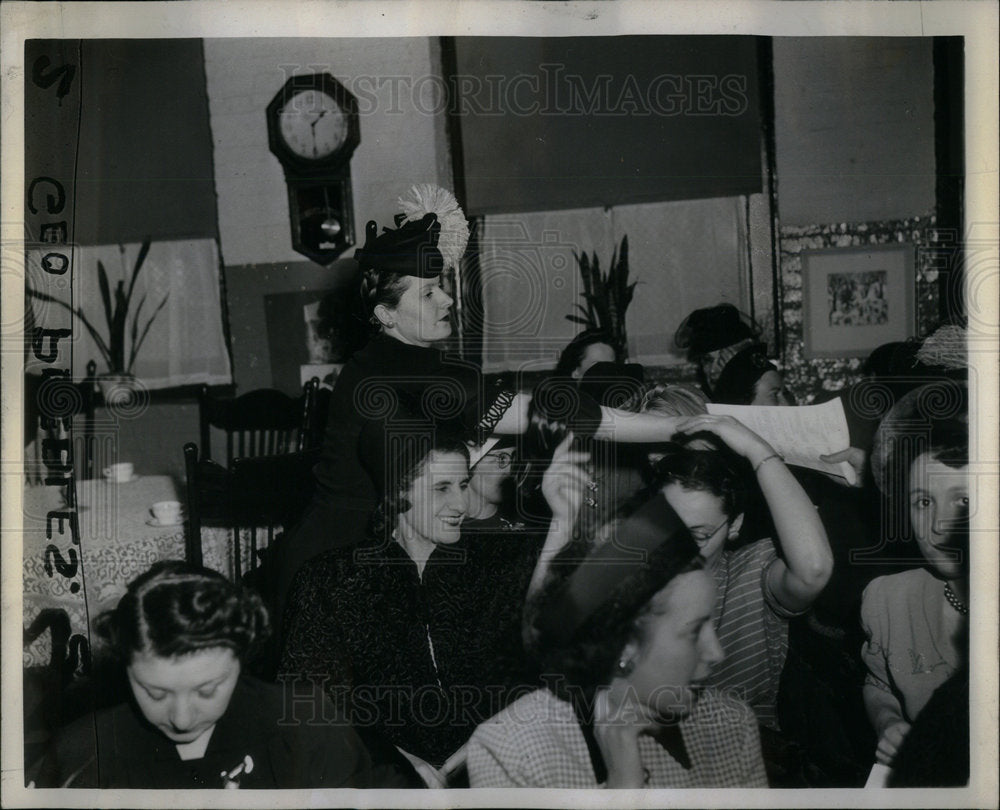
(555, 123)
(145, 163)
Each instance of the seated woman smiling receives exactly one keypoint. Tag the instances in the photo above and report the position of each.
(416, 633)
(194, 720)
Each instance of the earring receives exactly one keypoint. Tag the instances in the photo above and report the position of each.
(390, 325)
(625, 666)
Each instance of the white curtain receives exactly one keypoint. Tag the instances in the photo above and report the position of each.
(684, 255)
(185, 343)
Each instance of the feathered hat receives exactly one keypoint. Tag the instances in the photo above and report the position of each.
(427, 198)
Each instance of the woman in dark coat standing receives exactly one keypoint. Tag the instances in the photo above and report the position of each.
(403, 368)
(400, 368)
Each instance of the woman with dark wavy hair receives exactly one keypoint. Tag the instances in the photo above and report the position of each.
(193, 719)
(416, 632)
(624, 637)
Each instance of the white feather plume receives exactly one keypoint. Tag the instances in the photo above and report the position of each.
(427, 198)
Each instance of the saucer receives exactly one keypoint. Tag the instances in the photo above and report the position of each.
(156, 523)
(134, 477)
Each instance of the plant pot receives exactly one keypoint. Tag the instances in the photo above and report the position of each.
(117, 389)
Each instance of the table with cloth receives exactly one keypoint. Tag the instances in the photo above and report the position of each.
(119, 539)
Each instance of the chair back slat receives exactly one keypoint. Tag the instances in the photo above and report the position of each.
(315, 407)
(192, 526)
(259, 423)
(237, 553)
(252, 498)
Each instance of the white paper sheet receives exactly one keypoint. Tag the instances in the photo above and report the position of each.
(879, 776)
(801, 433)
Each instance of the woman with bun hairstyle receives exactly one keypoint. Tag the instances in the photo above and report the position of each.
(193, 718)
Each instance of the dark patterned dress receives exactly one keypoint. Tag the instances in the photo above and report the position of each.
(422, 660)
(385, 378)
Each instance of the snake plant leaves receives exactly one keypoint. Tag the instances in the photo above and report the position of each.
(116, 306)
(606, 296)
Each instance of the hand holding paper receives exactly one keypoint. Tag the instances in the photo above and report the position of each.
(801, 434)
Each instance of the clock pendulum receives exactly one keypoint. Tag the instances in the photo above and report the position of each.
(313, 130)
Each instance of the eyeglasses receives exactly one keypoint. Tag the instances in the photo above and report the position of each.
(705, 536)
(503, 459)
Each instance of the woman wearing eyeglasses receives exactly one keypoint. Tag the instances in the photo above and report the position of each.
(758, 590)
(493, 502)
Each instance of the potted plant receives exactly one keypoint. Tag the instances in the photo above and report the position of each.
(125, 336)
(607, 296)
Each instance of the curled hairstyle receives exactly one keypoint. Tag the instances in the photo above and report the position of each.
(932, 418)
(405, 462)
(718, 470)
(176, 608)
(384, 287)
(387, 259)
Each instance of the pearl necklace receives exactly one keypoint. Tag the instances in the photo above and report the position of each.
(954, 601)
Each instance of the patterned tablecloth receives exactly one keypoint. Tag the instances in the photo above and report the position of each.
(118, 541)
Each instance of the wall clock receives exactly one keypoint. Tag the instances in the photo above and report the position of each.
(313, 129)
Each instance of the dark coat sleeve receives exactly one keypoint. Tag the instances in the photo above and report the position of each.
(70, 761)
(314, 650)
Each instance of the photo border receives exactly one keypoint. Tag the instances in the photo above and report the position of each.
(977, 21)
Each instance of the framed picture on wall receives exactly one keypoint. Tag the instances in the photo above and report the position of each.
(856, 299)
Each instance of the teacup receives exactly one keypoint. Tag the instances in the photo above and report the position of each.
(119, 473)
(167, 512)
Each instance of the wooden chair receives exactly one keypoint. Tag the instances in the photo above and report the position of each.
(253, 498)
(208, 497)
(259, 423)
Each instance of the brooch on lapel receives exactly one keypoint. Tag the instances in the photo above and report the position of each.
(231, 779)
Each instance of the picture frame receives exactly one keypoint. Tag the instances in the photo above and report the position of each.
(856, 299)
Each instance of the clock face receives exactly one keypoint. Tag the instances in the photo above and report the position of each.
(313, 125)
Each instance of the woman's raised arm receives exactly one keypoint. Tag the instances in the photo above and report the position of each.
(616, 424)
(797, 580)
